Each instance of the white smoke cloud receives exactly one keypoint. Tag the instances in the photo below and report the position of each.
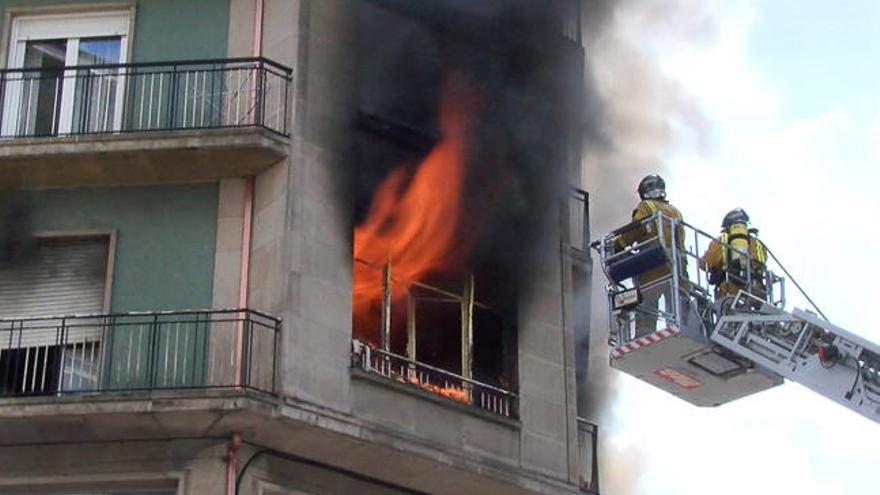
(810, 185)
(643, 118)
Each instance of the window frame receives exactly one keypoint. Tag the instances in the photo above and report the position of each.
(29, 25)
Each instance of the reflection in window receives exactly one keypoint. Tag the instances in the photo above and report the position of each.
(41, 91)
(95, 102)
(81, 363)
(98, 51)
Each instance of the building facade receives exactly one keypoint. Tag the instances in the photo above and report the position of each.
(190, 301)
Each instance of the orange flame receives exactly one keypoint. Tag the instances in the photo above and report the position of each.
(449, 391)
(414, 225)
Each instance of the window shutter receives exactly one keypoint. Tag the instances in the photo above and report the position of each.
(63, 277)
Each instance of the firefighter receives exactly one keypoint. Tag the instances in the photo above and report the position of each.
(736, 260)
(652, 195)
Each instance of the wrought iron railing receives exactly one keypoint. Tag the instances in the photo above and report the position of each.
(211, 349)
(116, 98)
(588, 448)
(435, 380)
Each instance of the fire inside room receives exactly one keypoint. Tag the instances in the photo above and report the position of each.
(451, 185)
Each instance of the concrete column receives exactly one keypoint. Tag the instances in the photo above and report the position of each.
(317, 308)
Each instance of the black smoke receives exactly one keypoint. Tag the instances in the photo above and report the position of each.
(527, 80)
(15, 227)
(635, 114)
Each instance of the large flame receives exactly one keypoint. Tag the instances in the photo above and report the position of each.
(414, 224)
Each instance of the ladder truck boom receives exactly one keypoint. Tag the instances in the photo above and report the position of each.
(805, 349)
(667, 328)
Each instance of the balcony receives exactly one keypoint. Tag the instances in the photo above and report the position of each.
(138, 352)
(142, 123)
(434, 382)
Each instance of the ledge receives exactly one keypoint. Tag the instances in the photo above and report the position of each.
(111, 416)
(138, 158)
(283, 424)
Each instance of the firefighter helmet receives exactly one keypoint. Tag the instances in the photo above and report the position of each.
(652, 187)
(735, 216)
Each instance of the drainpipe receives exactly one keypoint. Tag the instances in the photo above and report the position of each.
(258, 28)
(246, 221)
(231, 462)
(244, 274)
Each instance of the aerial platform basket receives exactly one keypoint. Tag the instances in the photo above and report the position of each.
(660, 329)
(667, 330)
(691, 368)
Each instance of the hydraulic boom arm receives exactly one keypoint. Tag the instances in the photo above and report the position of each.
(803, 348)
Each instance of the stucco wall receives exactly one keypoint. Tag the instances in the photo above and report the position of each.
(164, 29)
(165, 239)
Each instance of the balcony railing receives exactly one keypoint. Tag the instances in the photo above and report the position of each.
(212, 349)
(119, 98)
(579, 210)
(588, 446)
(434, 380)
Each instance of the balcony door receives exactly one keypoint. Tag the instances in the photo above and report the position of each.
(61, 80)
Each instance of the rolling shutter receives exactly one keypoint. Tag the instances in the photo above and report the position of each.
(64, 276)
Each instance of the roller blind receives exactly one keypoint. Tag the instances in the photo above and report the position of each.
(61, 277)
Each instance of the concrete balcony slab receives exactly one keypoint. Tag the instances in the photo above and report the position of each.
(154, 157)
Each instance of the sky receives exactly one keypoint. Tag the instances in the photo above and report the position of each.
(784, 121)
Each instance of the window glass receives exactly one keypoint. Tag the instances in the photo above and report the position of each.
(81, 362)
(99, 51)
(45, 54)
(41, 91)
(94, 106)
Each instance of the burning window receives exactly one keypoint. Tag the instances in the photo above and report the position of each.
(428, 310)
(414, 290)
(462, 145)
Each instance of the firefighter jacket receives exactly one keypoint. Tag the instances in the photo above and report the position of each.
(639, 233)
(729, 269)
